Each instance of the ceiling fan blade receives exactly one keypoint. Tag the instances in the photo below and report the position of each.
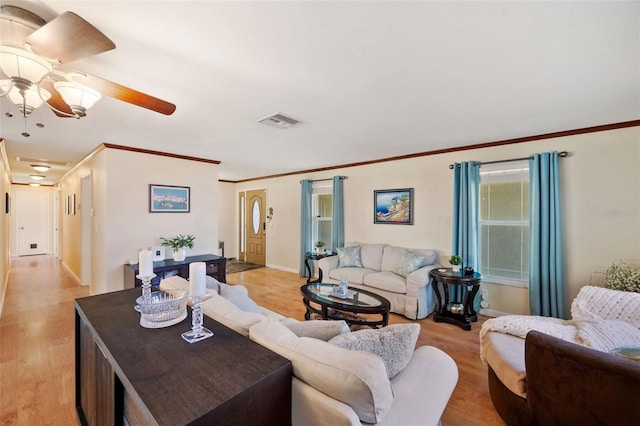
(56, 100)
(68, 38)
(125, 94)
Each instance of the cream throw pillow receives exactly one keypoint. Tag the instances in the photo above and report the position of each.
(358, 379)
(394, 344)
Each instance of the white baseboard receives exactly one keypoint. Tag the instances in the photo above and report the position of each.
(75, 277)
(492, 313)
(282, 268)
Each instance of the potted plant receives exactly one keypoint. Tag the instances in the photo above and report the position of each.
(319, 245)
(178, 245)
(456, 262)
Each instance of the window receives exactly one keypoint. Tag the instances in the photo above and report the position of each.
(322, 213)
(504, 224)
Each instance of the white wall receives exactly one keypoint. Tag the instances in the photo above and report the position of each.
(122, 223)
(5, 187)
(600, 196)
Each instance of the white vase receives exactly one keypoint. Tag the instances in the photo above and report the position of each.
(179, 254)
(455, 268)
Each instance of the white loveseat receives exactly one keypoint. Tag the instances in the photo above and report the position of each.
(381, 271)
(333, 385)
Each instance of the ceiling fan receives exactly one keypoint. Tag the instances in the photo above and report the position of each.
(30, 51)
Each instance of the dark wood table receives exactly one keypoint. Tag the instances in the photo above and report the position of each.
(351, 308)
(216, 267)
(152, 376)
(442, 278)
(311, 257)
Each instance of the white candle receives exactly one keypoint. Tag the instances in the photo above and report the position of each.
(197, 278)
(145, 260)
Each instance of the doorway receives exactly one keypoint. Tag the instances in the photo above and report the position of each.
(253, 233)
(34, 227)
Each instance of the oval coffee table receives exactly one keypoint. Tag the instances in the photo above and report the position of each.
(356, 308)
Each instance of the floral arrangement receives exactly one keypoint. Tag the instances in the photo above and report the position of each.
(178, 242)
(619, 276)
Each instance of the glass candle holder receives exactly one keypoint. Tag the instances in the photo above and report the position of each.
(197, 332)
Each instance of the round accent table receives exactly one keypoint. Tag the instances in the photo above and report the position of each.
(461, 312)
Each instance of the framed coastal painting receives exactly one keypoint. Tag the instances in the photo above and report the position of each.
(169, 199)
(393, 206)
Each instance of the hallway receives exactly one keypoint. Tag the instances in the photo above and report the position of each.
(37, 343)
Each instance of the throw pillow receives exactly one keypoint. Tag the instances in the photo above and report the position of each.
(238, 295)
(318, 329)
(349, 257)
(410, 262)
(394, 344)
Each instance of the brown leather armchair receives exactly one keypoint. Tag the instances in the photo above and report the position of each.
(568, 384)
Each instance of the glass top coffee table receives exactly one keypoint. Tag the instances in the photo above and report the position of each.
(359, 307)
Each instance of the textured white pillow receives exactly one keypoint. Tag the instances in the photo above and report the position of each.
(608, 334)
(349, 257)
(358, 379)
(238, 295)
(394, 344)
(410, 262)
(318, 329)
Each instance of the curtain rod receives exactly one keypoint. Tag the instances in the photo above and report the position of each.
(322, 180)
(561, 154)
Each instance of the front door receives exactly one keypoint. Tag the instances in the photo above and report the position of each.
(255, 227)
(33, 222)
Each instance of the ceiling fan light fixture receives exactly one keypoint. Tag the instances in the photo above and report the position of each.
(23, 94)
(79, 98)
(15, 62)
(40, 168)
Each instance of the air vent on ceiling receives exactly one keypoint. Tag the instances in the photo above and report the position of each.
(278, 120)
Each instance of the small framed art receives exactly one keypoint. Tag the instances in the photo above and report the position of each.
(393, 206)
(169, 199)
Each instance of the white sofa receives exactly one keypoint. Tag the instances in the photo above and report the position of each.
(410, 296)
(333, 385)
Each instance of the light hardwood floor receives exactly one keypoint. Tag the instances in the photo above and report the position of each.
(37, 343)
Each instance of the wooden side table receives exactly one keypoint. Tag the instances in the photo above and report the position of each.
(311, 257)
(460, 313)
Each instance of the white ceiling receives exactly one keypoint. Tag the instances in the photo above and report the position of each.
(366, 80)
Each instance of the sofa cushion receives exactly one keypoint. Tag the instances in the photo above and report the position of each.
(394, 344)
(371, 255)
(239, 296)
(386, 281)
(353, 275)
(505, 354)
(227, 313)
(358, 379)
(349, 257)
(318, 329)
(410, 262)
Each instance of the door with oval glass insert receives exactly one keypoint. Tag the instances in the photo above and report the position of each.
(256, 247)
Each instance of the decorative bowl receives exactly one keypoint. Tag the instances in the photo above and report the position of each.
(162, 308)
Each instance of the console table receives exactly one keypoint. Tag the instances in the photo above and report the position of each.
(127, 374)
(216, 267)
(442, 279)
